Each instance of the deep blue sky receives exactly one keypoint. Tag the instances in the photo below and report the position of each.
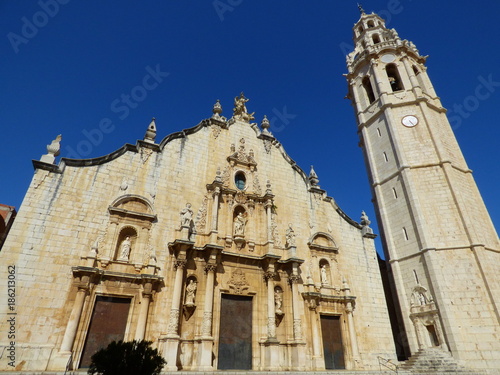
(68, 74)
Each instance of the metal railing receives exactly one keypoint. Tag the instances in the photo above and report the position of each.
(387, 363)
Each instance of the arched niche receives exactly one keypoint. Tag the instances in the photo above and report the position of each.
(368, 90)
(324, 251)
(325, 271)
(129, 216)
(132, 204)
(240, 217)
(132, 209)
(323, 242)
(126, 243)
(394, 77)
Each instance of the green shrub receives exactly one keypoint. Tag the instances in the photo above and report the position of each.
(127, 358)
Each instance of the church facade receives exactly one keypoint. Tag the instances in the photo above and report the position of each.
(213, 244)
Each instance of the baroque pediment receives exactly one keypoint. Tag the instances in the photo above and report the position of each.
(241, 156)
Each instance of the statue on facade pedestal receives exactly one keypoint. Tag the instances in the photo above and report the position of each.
(324, 276)
(190, 292)
(240, 110)
(290, 236)
(125, 248)
(239, 224)
(186, 216)
(278, 302)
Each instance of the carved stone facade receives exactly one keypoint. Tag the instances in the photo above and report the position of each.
(173, 237)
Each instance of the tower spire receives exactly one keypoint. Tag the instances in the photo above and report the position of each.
(361, 10)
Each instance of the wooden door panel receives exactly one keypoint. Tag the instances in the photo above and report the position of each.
(235, 337)
(108, 323)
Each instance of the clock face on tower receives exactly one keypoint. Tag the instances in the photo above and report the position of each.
(409, 121)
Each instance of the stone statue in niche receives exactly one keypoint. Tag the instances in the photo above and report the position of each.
(125, 248)
(239, 224)
(421, 298)
(190, 292)
(278, 301)
(290, 236)
(186, 216)
(324, 276)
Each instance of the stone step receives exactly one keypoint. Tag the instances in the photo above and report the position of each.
(225, 372)
(434, 361)
(230, 372)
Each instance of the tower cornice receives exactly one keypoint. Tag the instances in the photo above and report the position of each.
(377, 110)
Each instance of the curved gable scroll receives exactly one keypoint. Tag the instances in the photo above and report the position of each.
(133, 206)
(321, 241)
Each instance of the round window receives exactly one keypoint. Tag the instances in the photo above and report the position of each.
(240, 180)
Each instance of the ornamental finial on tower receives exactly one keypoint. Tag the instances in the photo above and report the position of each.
(361, 10)
(150, 135)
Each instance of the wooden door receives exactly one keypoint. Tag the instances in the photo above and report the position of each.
(333, 349)
(235, 337)
(108, 323)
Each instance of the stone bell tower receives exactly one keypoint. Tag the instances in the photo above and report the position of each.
(441, 247)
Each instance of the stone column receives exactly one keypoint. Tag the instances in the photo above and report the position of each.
(268, 207)
(352, 332)
(411, 74)
(298, 350)
(271, 355)
(418, 330)
(215, 215)
(297, 324)
(318, 361)
(173, 323)
(74, 320)
(439, 332)
(215, 209)
(205, 352)
(172, 337)
(380, 84)
(143, 312)
(271, 313)
(355, 92)
(229, 221)
(206, 328)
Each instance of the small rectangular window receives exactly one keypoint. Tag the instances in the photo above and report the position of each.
(405, 233)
